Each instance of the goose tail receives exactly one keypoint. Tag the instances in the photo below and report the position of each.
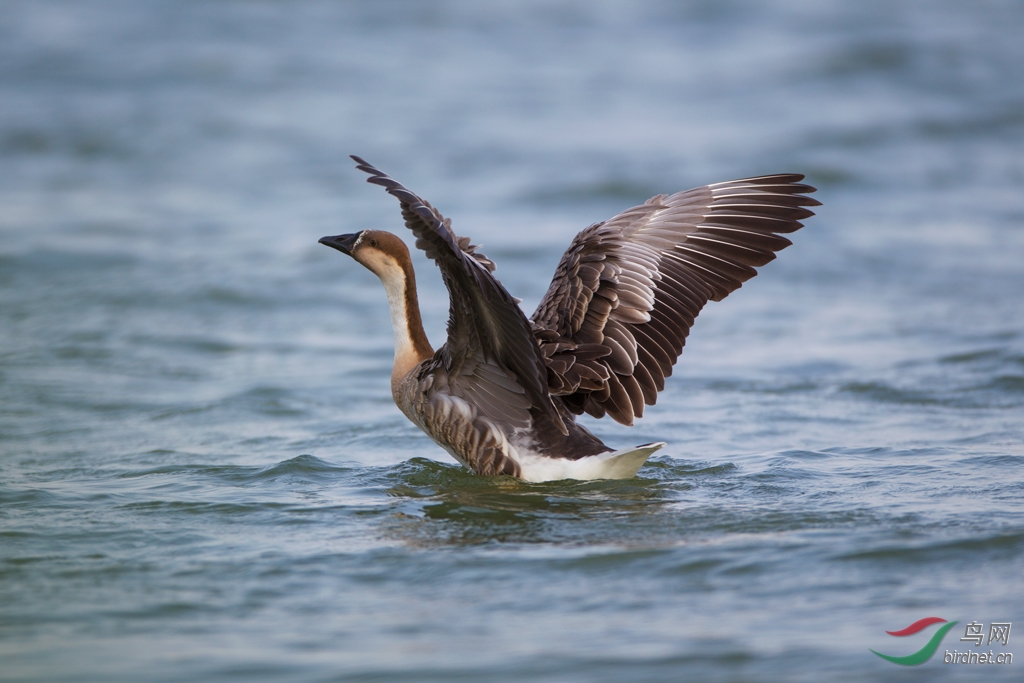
(625, 463)
(612, 465)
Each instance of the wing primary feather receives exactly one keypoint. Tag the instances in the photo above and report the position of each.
(661, 262)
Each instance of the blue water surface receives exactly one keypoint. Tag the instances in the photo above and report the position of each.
(203, 476)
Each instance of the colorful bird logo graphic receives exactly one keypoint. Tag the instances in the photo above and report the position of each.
(925, 653)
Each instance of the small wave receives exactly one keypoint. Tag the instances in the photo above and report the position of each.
(666, 467)
(304, 465)
(426, 472)
(1013, 384)
(971, 357)
(1009, 463)
(977, 549)
(202, 507)
(208, 345)
(27, 497)
(234, 296)
(883, 56)
(805, 455)
(989, 361)
(884, 393)
(176, 469)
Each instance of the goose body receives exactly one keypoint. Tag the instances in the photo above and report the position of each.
(502, 394)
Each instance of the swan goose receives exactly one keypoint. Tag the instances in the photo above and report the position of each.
(502, 394)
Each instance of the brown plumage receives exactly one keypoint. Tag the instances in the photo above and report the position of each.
(502, 393)
(626, 292)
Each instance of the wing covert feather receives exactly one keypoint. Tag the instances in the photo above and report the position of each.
(483, 317)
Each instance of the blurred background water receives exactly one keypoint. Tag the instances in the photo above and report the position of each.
(202, 474)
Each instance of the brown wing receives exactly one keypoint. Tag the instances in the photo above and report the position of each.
(485, 322)
(626, 292)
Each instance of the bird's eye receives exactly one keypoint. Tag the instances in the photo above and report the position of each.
(373, 243)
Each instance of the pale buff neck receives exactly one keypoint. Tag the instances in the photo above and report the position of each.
(411, 344)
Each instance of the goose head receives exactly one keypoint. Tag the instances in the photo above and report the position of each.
(381, 252)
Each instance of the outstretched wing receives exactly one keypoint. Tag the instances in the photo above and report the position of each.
(484, 319)
(625, 294)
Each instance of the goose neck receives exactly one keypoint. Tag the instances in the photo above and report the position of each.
(411, 344)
